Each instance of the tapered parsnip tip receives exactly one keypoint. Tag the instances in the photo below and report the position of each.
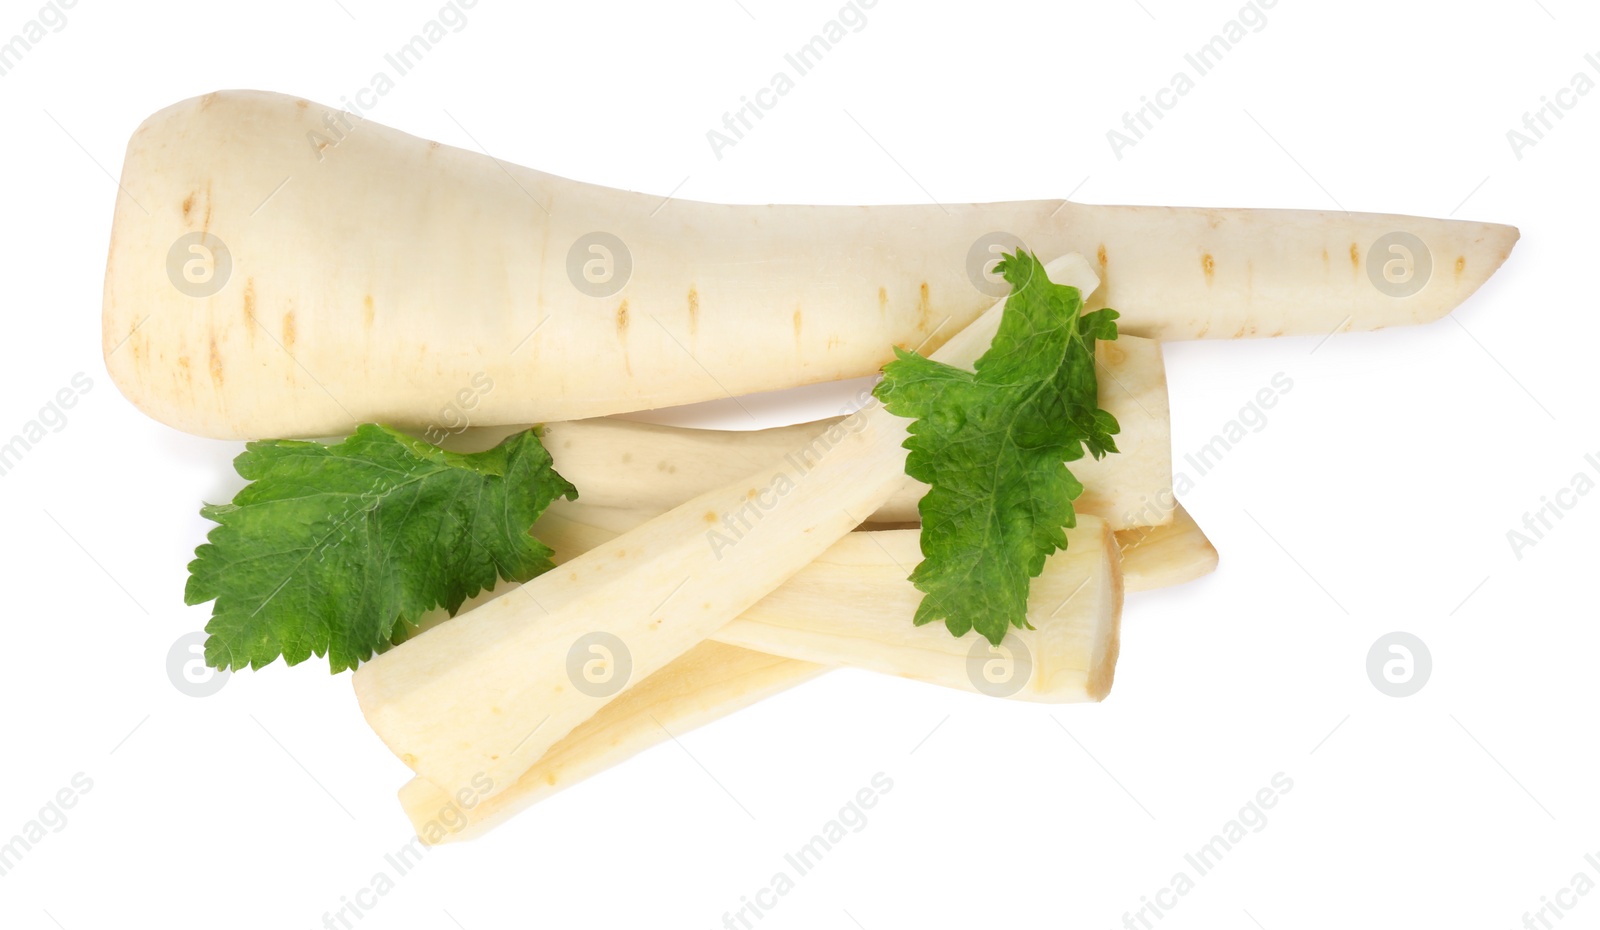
(1490, 247)
(1192, 272)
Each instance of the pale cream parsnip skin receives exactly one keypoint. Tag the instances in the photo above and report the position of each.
(374, 277)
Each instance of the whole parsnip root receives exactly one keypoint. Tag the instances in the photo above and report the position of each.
(714, 680)
(486, 695)
(337, 271)
(630, 465)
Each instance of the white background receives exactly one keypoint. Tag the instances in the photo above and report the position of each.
(1378, 496)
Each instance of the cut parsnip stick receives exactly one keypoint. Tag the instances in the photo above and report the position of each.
(234, 308)
(712, 680)
(853, 606)
(642, 466)
(704, 684)
(1152, 556)
(486, 695)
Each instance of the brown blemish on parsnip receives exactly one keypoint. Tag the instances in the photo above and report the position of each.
(1355, 256)
(622, 320)
(208, 99)
(215, 364)
(711, 517)
(250, 308)
(883, 301)
(288, 331)
(1100, 254)
(924, 308)
(694, 310)
(185, 370)
(799, 323)
(1461, 265)
(302, 104)
(431, 146)
(1209, 266)
(368, 311)
(188, 205)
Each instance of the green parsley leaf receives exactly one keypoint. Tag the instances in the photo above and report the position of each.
(992, 444)
(338, 549)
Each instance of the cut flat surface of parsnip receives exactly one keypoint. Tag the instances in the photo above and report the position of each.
(392, 273)
(485, 695)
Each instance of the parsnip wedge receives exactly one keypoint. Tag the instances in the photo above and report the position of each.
(487, 694)
(1152, 556)
(853, 605)
(279, 268)
(642, 466)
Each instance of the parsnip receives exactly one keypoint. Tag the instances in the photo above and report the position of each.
(714, 680)
(703, 685)
(488, 693)
(630, 465)
(375, 276)
(1152, 556)
(853, 605)
(1166, 555)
